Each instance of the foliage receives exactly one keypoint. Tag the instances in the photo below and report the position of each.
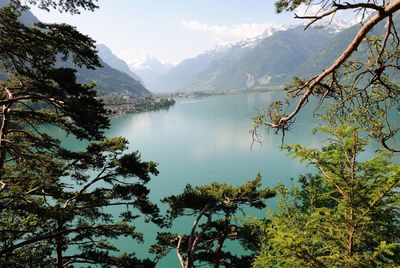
(219, 204)
(37, 93)
(70, 6)
(127, 104)
(66, 211)
(289, 5)
(54, 203)
(346, 215)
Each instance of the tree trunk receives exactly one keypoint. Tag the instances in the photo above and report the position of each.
(218, 250)
(59, 243)
(59, 254)
(3, 130)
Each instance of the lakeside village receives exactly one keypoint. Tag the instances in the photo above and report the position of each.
(136, 104)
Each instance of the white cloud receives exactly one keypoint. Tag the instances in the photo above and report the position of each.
(226, 34)
(340, 20)
(305, 10)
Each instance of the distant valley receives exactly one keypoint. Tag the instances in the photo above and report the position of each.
(151, 71)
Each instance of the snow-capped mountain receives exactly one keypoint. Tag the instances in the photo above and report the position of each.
(150, 69)
(254, 62)
(335, 25)
(111, 59)
(268, 59)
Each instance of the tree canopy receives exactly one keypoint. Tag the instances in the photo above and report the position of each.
(70, 6)
(35, 92)
(65, 205)
(346, 215)
(55, 203)
(219, 204)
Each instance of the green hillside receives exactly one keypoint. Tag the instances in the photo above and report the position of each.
(326, 56)
(251, 63)
(267, 63)
(109, 80)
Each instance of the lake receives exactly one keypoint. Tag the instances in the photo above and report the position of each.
(198, 141)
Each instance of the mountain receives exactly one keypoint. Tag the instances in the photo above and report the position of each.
(183, 75)
(111, 81)
(267, 62)
(26, 18)
(108, 80)
(325, 56)
(150, 70)
(328, 53)
(114, 62)
(257, 62)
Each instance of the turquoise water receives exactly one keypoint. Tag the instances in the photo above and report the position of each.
(198, 141)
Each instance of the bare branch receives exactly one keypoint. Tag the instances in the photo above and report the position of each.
(362, 33)
(179, 253)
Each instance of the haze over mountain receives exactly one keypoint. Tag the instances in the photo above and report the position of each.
(111, 81)
(261, 61)
(268, 60)
(113, 61)
(183, 75)
(150, 70)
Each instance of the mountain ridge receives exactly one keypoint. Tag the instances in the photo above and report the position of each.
(106, 54)
(270, 60)
(150, 70)
(255, 62)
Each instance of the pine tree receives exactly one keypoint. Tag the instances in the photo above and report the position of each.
(216, 210)
(346, 215)
(55, 204)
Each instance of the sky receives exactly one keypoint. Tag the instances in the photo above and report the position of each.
(170, 30)
(173, 30)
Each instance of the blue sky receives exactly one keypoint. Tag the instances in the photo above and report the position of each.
(171, 30)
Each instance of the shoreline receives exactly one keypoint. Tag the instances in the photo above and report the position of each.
(161, 101)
